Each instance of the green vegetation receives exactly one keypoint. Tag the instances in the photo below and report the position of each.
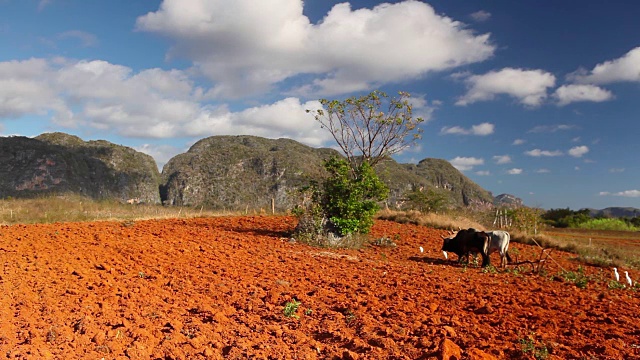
(529, 345)
(349, 199)
(578, 278)
(431, 200)
(290, 309)
(608, 224)
(581, 219)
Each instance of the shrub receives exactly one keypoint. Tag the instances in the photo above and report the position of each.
(350, 196)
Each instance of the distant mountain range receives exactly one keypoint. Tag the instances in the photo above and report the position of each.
(615, 212)
(230, 172)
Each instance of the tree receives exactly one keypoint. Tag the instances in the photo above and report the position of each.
(425, 201)
(364, 132)
(348, 199)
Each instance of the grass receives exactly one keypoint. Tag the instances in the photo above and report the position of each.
(607, 224)
(438, 221)
(74, 208)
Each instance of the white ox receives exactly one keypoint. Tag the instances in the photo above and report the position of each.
(499, 241)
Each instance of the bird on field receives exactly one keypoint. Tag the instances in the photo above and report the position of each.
(626, 273)
(615, 272)
(421, 249)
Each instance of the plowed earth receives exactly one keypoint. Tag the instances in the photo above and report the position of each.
(218, 287)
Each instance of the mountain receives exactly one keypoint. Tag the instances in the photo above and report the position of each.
(235, 172)
(55, 163)
(441, 174)
(615, 212)
(223, 172)
(507, 200)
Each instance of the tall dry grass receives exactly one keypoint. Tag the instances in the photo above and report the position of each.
(74, 208)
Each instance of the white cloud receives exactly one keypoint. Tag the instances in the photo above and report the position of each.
(250, 46)
(502, 159)
(161, 153)
(578, 151)
(483, 129)
(454, 130)
(483, 173)
(616, 170)
(518, 142)
(551, 128)
(514, 171)
(152, 103)
(568, 94)
(627, 193)
(539, 153)
(466, 163)
(528, 86)
(543, 171)
(626, 68)
(25, 88)
(481, 16)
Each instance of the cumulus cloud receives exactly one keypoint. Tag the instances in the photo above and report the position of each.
(568, 94)
(616, 170)
(248, 46)
(26, 88)
(543, 171)
(578, 151)
(518, 142)
(466, 163)
(152, 103)
(529, 87)
(514, 171)
(481, 16)
(502, 159)
(539, 153)
(627, 193)
(483, 129)
(483, 173)
(625, 68)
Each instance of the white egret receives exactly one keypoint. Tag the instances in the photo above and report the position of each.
(626, 273)
(421, 249)
(615, 272)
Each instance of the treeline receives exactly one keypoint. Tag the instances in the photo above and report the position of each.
(564, 218)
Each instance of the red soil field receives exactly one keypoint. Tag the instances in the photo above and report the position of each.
(213, 288)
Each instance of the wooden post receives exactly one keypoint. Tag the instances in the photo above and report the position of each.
(273, 206)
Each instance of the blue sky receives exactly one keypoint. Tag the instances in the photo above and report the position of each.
(536, 98)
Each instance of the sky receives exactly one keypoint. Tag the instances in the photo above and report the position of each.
(535, 98)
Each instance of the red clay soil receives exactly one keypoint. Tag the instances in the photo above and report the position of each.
(214, 288)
